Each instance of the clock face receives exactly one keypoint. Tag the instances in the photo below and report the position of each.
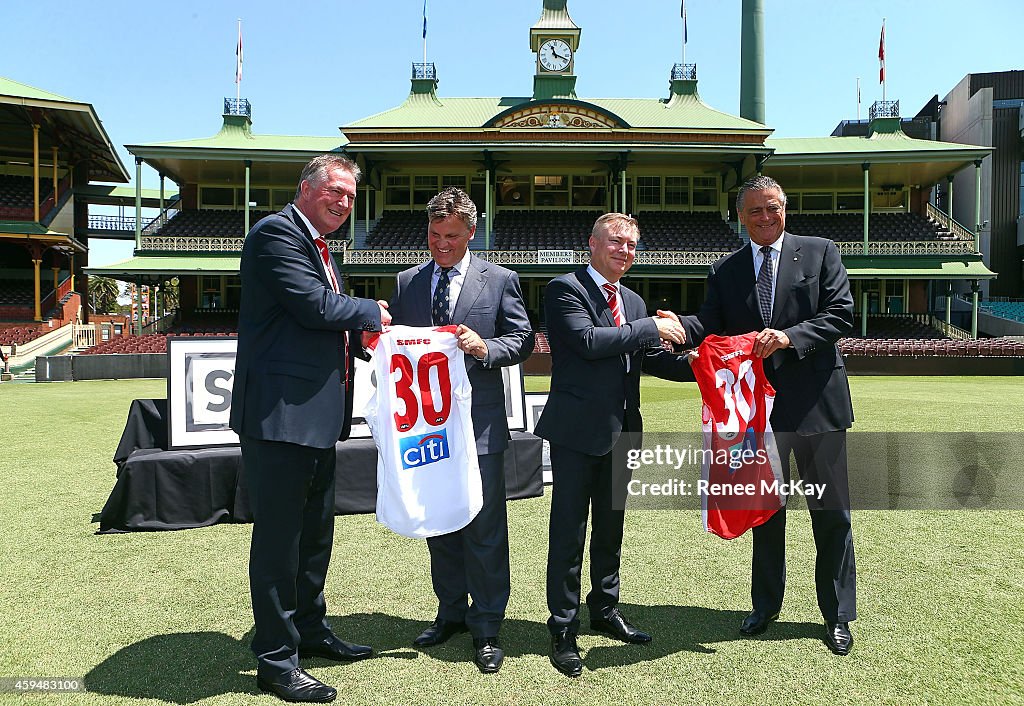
(555, 55)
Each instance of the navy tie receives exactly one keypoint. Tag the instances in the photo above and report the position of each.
(764, 285)
(439, 307)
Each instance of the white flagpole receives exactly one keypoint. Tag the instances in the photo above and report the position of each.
(683, 12)
(238, 64)
(424, 31)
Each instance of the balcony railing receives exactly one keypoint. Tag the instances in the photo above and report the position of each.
(237, 106)
(949, 224)
(684, 72)
(427, 71)
(884, 109)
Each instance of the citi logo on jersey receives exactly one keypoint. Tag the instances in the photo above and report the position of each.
(424, 449)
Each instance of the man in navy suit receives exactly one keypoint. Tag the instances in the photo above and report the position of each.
(601, 338)
(291, 403)
(486, 303)
(794, 291)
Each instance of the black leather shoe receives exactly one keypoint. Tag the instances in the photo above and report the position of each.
(489, 655)
(839, 638)
(297, 686)
(335, 648)
(616, 625)
(565, 655)
(439, 631)
(756, 623)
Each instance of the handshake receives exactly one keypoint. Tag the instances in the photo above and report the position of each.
(669, 328)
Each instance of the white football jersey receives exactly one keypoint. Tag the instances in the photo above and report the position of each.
(428, 477)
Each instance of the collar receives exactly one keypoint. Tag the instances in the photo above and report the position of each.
(313, 231)
(600, 279)
(776, 246)
(460, 269)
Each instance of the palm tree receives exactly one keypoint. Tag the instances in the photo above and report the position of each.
(103, 292)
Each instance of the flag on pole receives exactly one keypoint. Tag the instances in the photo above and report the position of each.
(424, 19)
(881, 55)
(238, 55)
(683, 12)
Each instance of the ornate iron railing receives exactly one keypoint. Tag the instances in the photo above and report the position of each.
(884, 109)
(427, 71)
(947, 223)
(684, 72)
(237, 106)
(909, 247)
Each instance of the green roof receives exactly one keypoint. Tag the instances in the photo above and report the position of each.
(14, 89)
(156, 268)
(917, 267)
(681, 111)
(879, 144)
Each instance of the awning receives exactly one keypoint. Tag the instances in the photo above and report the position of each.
(154, 269)
(917, 267)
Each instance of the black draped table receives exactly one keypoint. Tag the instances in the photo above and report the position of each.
(157, 489)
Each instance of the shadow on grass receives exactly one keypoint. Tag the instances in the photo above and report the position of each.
(184, 668)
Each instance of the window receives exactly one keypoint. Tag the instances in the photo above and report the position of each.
(677, 191)
(258, 198)
(459, 181)
(217, 196)
(589, 191)
(705, 191)
(551, 191)
(850, 202)
(397, 191)
(424, 188)
(282, 197)
(816, 202)
(513, 191)
(648, 191)
(210, 296)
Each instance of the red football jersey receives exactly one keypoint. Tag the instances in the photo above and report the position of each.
(741, 472)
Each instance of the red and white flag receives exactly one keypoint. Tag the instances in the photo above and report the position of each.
(881, 55)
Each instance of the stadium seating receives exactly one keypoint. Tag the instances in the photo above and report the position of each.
(209, 224)
(937, 347)
(1014, 311)
(882, 227)
(16, 196)
(674, 230)
(18, 334)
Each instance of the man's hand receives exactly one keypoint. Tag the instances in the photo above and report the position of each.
(668, 315)
(669, 328)
(470, 342)
(385, 316)
(769, 341)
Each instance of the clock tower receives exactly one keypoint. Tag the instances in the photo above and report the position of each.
(554, 40)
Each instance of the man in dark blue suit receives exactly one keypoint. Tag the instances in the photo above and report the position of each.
(601, 338)
(291, 403)
(486, 303)
(794, 291)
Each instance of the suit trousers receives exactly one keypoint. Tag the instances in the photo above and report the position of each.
(291, 494)
(581, 485)
(473, 561)
(820, 458)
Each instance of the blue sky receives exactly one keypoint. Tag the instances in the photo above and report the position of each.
(158, 71)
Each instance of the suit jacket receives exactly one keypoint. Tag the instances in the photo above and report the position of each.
(813, 306)
(491, 303)
(291, 339)
(591, 392)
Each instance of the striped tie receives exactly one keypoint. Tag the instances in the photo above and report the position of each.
(764, 285)
(439, 306)
(613, 303)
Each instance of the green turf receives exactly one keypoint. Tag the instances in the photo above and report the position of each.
(166, 617)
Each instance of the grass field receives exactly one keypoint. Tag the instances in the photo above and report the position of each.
(165, 617)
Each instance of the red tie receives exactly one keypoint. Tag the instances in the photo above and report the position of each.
(613, 303)
(325, 255)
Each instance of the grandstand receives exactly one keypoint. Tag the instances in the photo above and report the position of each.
(541, 167)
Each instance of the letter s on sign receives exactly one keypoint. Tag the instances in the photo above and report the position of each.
(224, 393)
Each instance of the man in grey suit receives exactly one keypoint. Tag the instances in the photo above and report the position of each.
(486, 303)
(290, 406)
